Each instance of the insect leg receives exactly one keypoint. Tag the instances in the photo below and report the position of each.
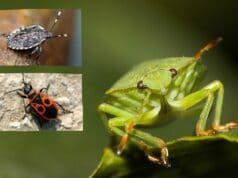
(35, 53)
(26, 107)
(126, 119)
(149, 140)
(107, 108)
(142, 139)
(21, 94)
(64, 110)
(205, 93)
(123, 118)
(128, 128)
(116, 122)
(4, 34)
(45, 88)
(146, 139)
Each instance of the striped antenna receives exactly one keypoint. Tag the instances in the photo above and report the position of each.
(60, 35)
(210, 45)
(4, 34)
(56, 20)
(18, 89)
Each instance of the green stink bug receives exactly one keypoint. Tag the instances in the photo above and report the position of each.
(150, 91)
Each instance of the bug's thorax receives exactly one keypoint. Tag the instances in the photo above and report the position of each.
(29, 91)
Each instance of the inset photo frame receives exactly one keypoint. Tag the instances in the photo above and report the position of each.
(40, 37)
(41, 101)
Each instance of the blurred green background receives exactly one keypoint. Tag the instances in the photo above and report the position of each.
(115, 36)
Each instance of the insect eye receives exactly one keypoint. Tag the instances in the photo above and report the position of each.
(141, 85)
(173, 71)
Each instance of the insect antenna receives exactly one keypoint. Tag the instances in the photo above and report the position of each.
(18, 89)
(60, 35)
(3, 34)
(23, 79)
(210, 45)
(56, 20)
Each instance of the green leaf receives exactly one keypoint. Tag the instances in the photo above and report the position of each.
(210, 156)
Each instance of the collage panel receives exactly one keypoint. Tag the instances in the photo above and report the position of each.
(114, 89)
(41, 101)
(40, 37)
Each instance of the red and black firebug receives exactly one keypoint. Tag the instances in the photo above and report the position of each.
(40, 105)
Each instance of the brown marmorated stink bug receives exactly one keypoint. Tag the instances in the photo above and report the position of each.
(30, 38)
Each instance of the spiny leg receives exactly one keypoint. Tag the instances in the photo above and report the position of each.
(124, 119)
(155, 142)
(142, 139)
(26, 106)
(45, 88)
(201, 123)
(130, 126)
(35, 53)
(205, 93)
(65, 111)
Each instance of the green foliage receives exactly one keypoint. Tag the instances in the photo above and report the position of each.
(210, 156)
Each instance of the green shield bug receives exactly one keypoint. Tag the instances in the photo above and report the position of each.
(150, 91)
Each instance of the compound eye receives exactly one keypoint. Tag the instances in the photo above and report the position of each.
(173, 71)
(141, 85)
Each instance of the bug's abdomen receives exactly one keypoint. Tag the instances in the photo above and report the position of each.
(51, 112)
(44, 107)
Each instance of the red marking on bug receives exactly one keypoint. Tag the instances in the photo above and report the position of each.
(43, 105)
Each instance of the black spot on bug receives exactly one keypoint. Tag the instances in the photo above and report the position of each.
(40, 109)
(141, 85)
(47, 101)
(173, 71)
